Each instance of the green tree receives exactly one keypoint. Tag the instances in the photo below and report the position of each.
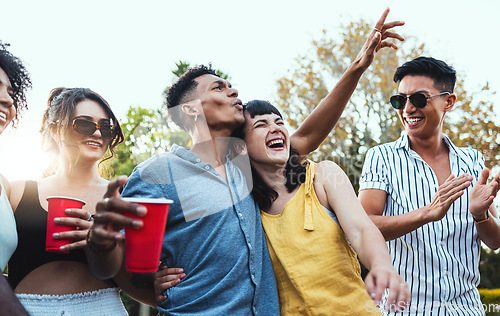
(369, 119)
(147, 132)
(488, 266)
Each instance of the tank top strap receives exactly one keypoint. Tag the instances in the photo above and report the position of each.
(308, 200)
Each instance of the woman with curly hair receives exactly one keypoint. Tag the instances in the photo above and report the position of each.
(79, 127)
(14, 82)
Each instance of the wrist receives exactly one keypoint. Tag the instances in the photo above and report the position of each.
(484, 217)
(98, 247)
(426, 215)
(356, 67)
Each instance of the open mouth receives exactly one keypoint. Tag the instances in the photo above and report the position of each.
(278, 143)
(413, 120)
(3, 116)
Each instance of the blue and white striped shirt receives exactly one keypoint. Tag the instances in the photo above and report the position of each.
(439, 260)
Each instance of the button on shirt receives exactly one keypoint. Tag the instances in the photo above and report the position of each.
(439, 260)
(213, 232)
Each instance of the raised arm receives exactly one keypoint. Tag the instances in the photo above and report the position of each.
(392, 227)
(322, 120)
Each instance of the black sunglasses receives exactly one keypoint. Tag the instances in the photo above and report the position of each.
(87, 127)
(417, 99)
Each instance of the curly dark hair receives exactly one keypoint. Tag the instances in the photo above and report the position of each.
(61, 108)
(295, 171)
(181, 91)
(18, 76)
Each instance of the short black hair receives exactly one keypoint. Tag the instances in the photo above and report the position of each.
(444, 76)
(18, 76)
(181, 91)
(295, 171)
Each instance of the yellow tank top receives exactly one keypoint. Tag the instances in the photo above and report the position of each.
(316, 270)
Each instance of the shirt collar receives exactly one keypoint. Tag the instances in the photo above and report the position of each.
(188, 155)
(404, 143)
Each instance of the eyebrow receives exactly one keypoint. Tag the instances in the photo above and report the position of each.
(222, 82)
(265, 121)
(419, 91)
(260, 121)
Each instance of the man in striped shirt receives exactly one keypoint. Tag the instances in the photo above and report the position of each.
(430, 199)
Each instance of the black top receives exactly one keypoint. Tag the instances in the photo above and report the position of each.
(31, 222)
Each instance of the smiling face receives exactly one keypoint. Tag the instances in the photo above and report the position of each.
(423, 122)
(87, 147)
(221, 107)
(7, 109)
(267, 139)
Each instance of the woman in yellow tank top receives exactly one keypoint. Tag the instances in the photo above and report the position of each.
(309, 212)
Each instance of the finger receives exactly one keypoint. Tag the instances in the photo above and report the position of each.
(453, 182)
(454, 188)
(382, 282)
(164, 271)
(114, 186)
(99, 234)
(390, 25)
(404, 296)
(73, 235)
(450, 177)
(161, 298)
(394, 288)
(483, 178)
(73, 246)
(78, 212)
(381, 21)
(370, 285)
(117, 205)
(173, 270)
(166, 285)
(172, 277)
(393, 35)
(387, 44)
(375, 41)
(497, 177)
(72, 221)
(451, 199)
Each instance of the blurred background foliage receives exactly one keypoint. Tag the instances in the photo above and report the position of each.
(368, 120)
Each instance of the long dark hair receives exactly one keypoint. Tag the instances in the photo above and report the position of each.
(295, 171)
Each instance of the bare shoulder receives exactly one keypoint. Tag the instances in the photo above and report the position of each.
(326, 168)
(17, 190)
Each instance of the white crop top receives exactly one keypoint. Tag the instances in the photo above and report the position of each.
(8, 232)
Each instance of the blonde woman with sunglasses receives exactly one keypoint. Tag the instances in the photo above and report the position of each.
(79, 128)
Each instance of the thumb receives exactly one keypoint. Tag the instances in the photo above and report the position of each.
(114, 186)
(375, 41)
(485, 173)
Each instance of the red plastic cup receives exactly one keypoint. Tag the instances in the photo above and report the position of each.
(57, 205)
(143, 246)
